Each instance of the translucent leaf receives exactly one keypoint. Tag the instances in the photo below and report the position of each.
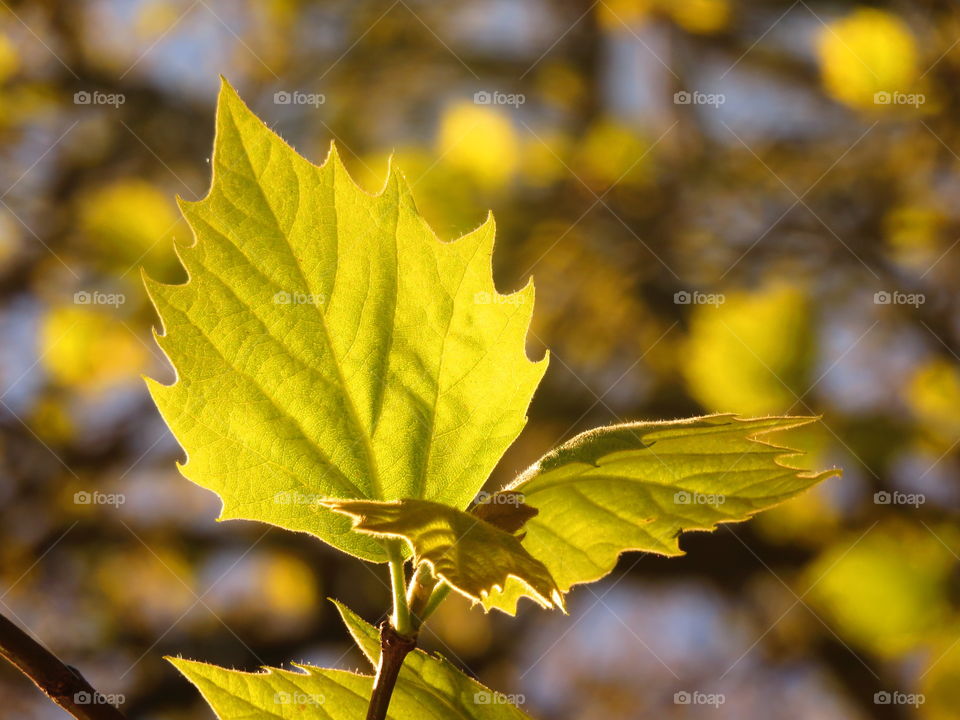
(474, 557)
(637, 486)
(327, 344)
(429, 688)
(432, 675)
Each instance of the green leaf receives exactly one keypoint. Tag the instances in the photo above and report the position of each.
(328, 344)
(316, 693)
(431, 674)
(429, 688)
(637, 486)
(474, 557)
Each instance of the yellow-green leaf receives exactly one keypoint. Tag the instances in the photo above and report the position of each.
(328, 344)
(433, 675)
(474, 557)
(637, 486)
(429, 688)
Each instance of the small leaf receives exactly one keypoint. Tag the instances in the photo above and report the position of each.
(328, 344)
(471, 555)
(637, 486)
(431, 674)
(429, 688)
(316, 693)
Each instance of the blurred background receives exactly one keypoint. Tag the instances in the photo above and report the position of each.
(727, 205)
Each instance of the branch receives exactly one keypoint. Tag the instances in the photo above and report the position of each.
(61, 683)
(394, 648)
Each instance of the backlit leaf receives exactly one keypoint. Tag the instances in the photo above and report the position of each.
(474, 557)
(637, 486)
(328, 344)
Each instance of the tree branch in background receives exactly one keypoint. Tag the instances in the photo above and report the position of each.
(61, 683)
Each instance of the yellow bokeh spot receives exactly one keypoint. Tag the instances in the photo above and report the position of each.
(913, 233)
(614, 14)
(288, 585)
(147, 585)
(89, 349)
(699, 16)
(886, 591)
(751, 353)
(130, 222)
(612, 153)
(9, 58)
(156, 17)
(481, 140)
(867, 52)
(543, 158)
(933, 393)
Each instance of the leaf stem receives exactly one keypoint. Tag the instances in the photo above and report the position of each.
(439, 594)
(60, 682)
(398, 580)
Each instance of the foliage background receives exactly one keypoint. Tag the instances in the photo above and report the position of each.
(795, 201)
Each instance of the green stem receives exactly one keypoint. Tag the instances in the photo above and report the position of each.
(398, 580)
(439, 594)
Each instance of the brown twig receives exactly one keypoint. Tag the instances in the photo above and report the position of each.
(61, 683)
(394, 649)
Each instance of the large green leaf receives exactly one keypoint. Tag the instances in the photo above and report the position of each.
(474, 557)
(637, 486)
(327, 344)
(428, 675)
(429, 688)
